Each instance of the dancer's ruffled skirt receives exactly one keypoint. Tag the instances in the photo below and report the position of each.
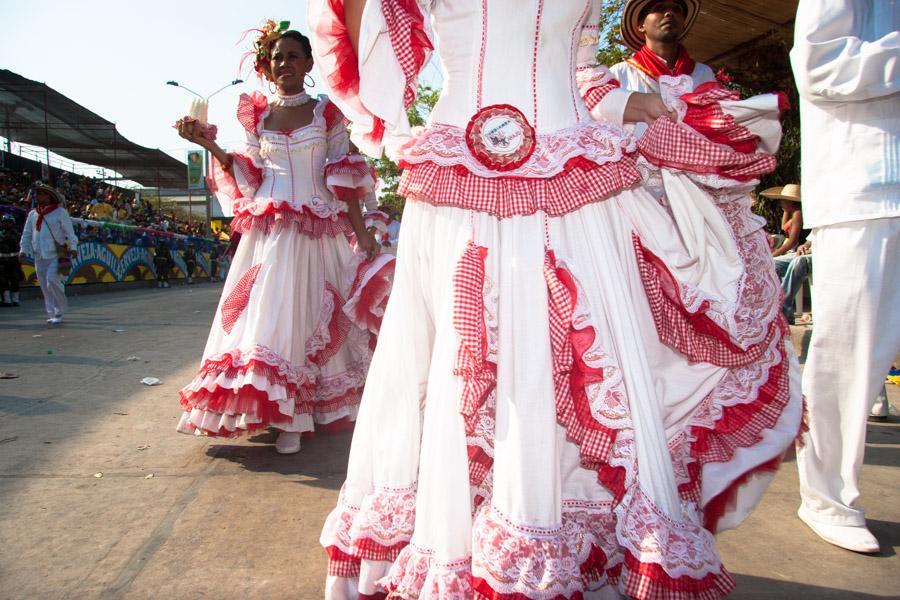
(282, 351)
(560, 405)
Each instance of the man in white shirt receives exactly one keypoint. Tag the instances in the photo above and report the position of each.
(654, 30)
(48, 226)
(846, 60)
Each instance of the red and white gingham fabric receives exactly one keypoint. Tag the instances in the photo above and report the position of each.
(406, 28)
(238, 298)
(250, 107)
(561, 305)
(675, 146)
(478, 373)
(693, 334)
(581, 182)
(592, 96)
(649, 581)
(706, 116)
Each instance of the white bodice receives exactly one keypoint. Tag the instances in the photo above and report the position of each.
(517, 52)
(292, 165)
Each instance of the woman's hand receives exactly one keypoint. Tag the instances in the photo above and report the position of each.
(646, 108)
(367, 243)
(189, 129)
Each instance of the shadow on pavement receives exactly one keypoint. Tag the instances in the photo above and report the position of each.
(321, 462)
(751, 588)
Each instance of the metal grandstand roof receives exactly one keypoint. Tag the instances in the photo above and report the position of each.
(33, 113)
(726, 27)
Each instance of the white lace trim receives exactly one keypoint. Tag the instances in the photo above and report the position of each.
(597, 141)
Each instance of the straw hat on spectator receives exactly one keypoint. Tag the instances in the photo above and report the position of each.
(50, 190)
(789, 192)
(631, 20)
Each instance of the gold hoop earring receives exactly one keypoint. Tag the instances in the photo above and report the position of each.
(311, 83)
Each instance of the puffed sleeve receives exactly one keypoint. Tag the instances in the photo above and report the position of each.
(347, 175)
(375, 87)
(832, 64)
(245, 175)
(599, 89)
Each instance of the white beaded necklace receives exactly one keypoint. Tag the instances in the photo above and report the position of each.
(292, 100)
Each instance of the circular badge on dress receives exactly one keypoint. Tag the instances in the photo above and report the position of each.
(500, 138)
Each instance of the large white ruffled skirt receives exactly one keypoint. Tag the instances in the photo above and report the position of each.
(282, 351)
(565, 404)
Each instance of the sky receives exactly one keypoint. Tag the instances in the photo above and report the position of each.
(114, 57)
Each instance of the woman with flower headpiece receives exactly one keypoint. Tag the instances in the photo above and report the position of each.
(284, 350)
(596, 376)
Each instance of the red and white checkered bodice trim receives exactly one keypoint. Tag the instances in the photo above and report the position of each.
(581, 182)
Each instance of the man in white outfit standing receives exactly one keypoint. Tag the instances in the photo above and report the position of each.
(47, 230)
(654, 30)
(846, 60)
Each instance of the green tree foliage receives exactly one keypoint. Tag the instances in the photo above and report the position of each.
(612, 50)
(388, 171)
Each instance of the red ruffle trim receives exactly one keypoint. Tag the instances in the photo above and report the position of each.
(373, 297)
(341, 564)
(250, 108)
(276, 219)
(339, 63)
(338, 328)
(694, 334)
(705, 115)
(570, 376)
(352, 169)
(650, 581)
(406, 28)
(479, 375)
(675, 146)
(581, 182)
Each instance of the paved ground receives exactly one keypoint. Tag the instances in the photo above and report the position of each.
(179, 517)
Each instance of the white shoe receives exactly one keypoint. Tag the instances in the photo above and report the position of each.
(288, 442)
(850, 537)
(55, 320)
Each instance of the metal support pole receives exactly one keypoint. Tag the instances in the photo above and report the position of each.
(47, 138)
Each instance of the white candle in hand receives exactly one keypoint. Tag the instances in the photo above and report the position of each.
(199, 110)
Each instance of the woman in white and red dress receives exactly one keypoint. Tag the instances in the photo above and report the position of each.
(582, 371)
(282, 351)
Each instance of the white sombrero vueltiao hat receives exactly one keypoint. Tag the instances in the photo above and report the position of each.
(789, 192)
(633, 38)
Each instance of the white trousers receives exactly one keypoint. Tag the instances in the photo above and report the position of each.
(52, 288)
(856, 335)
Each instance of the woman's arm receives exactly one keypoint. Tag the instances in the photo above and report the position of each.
(353, 10)
(793, 237)
(364, 238)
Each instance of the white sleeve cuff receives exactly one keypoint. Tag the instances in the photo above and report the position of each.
(611, 107)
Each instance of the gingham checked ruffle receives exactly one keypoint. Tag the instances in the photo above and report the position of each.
(676, 146)
(581, 182)
(572, 347)
(472, 364)
(406, 28)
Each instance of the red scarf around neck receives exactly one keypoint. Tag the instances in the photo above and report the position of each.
(655, 67)
(43, 211)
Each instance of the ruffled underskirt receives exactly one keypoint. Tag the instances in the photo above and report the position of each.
(282, 351)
